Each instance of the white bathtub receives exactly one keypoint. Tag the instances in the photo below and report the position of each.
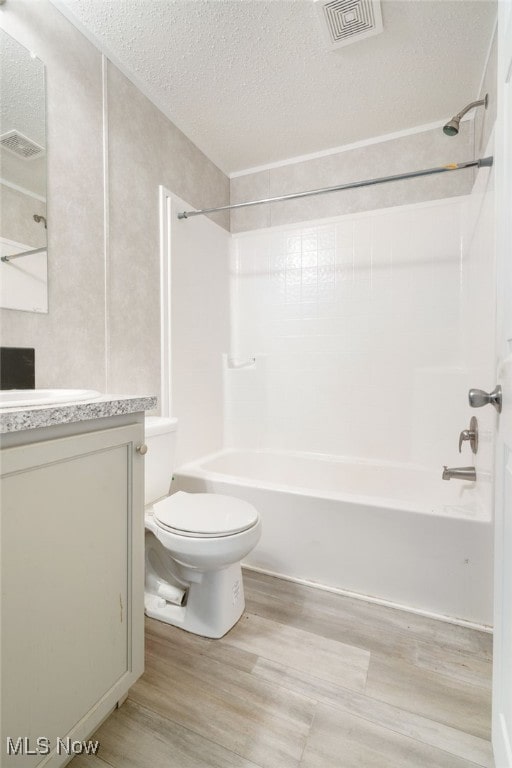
(386, 532)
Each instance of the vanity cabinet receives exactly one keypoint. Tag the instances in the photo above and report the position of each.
(72, 581)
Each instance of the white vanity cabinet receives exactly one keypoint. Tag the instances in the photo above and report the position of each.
(72, 581)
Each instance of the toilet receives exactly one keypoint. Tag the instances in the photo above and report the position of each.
(194, 545)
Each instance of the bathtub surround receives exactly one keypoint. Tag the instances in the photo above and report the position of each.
(356, 325)
(198, 336)
(108, 149)
(363, 330)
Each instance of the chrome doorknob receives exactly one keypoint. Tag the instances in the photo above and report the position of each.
(142, 449)
(477, 398)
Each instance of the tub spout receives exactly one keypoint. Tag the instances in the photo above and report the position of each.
(459, 473)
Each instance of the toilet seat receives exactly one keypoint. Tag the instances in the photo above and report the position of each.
(204, 515)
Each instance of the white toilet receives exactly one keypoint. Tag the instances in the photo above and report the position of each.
(194, 545)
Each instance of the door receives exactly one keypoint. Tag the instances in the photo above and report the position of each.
(502, 683)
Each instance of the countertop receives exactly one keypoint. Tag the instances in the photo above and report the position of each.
(35, 416)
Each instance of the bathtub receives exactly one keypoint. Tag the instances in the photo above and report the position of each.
(394, 534)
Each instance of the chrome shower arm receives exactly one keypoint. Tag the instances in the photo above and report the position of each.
(480, 103)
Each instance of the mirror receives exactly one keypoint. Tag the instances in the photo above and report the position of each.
(23, 231)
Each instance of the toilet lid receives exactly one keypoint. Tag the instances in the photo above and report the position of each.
(204, 514)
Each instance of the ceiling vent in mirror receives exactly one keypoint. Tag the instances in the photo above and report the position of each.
(347, 21)
(20, 145)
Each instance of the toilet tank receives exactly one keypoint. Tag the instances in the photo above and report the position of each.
(159, 460)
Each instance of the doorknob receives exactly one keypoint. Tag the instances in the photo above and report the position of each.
(477, 398)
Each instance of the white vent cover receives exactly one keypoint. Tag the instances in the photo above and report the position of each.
(20, 145)
(347, 21)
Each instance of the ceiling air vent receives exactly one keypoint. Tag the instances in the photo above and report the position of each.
(347, 21)
(20, 145)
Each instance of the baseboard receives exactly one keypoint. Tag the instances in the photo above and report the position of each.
(376, 600)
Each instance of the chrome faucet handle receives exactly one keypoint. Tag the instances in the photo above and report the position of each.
(471, 435)
(478, 398)
(464, 435)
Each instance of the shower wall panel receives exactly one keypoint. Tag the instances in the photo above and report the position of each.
(355, 324)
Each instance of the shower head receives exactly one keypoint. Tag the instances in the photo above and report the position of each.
(452, 126)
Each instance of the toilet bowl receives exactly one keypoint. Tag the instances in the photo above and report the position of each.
(194, 545)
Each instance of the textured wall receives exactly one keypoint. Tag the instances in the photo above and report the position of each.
(18, 224)
(417, 151)
(144, 150)
(70, 339)
(485, 118)
(102, 330)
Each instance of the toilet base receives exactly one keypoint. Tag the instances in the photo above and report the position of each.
(214, 603)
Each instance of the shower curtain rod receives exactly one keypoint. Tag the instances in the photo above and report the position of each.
(25, 253)
(485, 161)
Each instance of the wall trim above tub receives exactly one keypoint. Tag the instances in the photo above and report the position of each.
(327, 220)
(374, 600)
(382, 138)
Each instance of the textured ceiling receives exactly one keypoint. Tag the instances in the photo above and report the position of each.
(22, 106)
(252, 82)
(22, 103)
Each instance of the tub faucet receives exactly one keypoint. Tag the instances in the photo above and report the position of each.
(459, 473)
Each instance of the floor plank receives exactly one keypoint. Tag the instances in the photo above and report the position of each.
(264, 723)
(137, 737)
(430, 694)
(341, 739)
(357, 622)
(307, 679)
(327, 659)
(430, 732)
(461, 666)
(89, 761)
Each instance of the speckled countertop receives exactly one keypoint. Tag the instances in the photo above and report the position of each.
(34, 416)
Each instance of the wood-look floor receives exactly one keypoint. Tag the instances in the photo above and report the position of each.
(311, 679)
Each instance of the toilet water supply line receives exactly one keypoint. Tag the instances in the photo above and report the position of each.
(482, 163)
